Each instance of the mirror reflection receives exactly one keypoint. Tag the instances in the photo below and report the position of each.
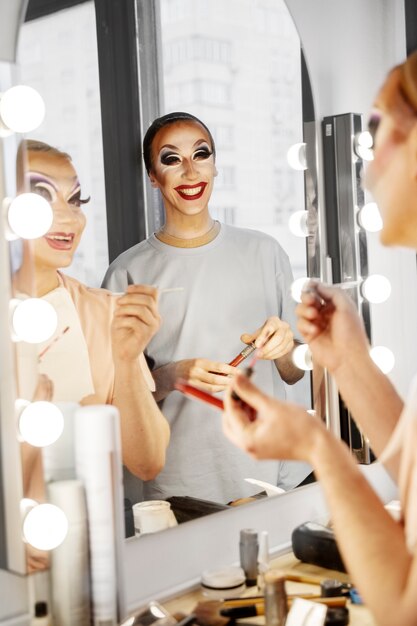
(244, 83)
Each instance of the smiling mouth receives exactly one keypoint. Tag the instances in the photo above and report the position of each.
(191, 192)
(60, 241)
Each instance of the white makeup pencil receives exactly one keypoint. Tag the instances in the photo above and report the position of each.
(349, 284)
(160, 291)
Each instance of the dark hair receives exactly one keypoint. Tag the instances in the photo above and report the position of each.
(166, 120)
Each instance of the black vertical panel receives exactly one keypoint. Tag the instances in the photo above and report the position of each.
(346, 246)
(41, 8)
(306, 92)
(120, 111)
(410, 25)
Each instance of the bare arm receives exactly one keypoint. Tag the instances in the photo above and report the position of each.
(369, 539)
(144, 430)
(289, 372)
(338, 341)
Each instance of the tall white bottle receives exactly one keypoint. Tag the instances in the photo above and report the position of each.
(98, 463)
(70, 561)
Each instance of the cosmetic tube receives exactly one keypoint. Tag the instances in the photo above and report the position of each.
(41, 616)
(263, 557)
(248, 548)
(98, 464)
(276, 602)
(70, 561)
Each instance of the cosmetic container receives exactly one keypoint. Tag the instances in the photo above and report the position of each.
(248, 548)
(263, 557)
(69, 574)
(223, 583)
(41, 616)
(276, 603)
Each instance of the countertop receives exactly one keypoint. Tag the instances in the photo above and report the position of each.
(359, 614)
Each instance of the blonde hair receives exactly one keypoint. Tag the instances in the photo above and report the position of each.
(34, 145)
(408, 81)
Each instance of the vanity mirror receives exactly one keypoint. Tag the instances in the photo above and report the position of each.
(337, 91)
(216, 75)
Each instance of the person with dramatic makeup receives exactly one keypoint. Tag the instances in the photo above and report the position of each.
(96, 354)
(236, 288)
(380, 553)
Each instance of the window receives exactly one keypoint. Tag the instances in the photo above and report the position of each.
(62, 65)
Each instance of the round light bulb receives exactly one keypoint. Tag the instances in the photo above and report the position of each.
(383, 358)
(26, 504)
(41, 423)
(298, 223)
(363, 145)
(302, 357)
(376, 289)
(22, 109)
(33, 320)
(296, 156)
(370, 218)
(297, 288)
(45, 526)
(30, 216)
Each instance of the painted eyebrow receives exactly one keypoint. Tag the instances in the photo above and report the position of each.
(42, 178)
(195, 145)
(76, 187)
(39, 177)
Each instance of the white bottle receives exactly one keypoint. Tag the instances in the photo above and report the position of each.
(263, 557)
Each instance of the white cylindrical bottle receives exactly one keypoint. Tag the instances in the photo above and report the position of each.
(70, 561)
(263, 557)
(98, 464)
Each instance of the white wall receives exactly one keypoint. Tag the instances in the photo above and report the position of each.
(351, 47)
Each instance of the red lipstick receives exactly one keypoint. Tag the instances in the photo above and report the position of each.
(60, 241)
(186, 191)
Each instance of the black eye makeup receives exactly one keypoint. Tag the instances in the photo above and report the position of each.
(373, 124)
(76, 200)
(169, 158)
(203, 153)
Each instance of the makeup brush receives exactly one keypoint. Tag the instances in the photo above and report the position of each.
(219, 613)
(49, 346)
(247, 351)
(248, 371)
(252, 610)
(243, 355)
(160, 291)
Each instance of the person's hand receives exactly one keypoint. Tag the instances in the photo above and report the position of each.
(281, 430)
(331, 325)
(136, 320)
(273, 339)
(44, 389)
(210, 376)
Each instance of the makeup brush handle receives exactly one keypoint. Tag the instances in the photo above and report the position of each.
(243, 355)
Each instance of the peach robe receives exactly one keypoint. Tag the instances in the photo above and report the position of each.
(95, 309)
